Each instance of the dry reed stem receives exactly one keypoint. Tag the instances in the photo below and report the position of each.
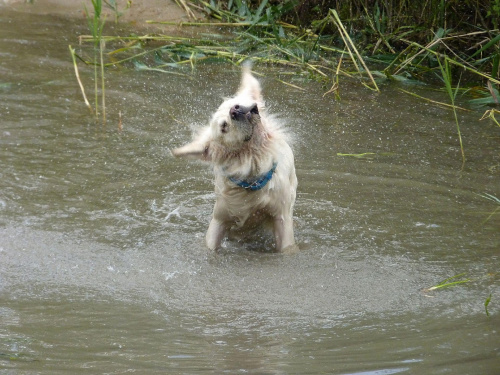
(491, 114)
(343, 32)
(221, 24)
(451, 61)
(72, 51)
(434, 101)
(187, 9)
(103, 94)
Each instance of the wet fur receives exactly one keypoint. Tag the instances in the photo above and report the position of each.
(243, 141)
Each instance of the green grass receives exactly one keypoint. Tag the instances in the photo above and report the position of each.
(486, 304)
(457, 280)
(388, 40)
(494, 199)
(115, 8)
(449, 282)
(96, 26)
(452, 93)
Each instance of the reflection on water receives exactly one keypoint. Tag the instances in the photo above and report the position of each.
(102, 262)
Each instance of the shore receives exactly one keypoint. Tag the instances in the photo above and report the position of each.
(134, 13)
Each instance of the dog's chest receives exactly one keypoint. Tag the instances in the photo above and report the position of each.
(241, 206)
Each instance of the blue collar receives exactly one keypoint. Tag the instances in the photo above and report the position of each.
(256, 184)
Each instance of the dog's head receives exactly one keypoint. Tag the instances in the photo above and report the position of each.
(235, 120)
(233, 124)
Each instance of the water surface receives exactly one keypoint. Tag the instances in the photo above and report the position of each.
(102, 263)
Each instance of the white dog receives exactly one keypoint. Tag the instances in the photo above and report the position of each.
(254, 169)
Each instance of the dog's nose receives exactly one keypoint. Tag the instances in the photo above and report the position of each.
(235, 112)
(238, 111)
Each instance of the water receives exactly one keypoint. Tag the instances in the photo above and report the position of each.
(102, 262)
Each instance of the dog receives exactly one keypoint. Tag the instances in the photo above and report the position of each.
(255, 180)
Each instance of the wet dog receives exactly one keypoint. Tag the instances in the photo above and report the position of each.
(255, 179)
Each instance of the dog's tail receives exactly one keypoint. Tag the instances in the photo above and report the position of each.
(249, 83)
(246, 66)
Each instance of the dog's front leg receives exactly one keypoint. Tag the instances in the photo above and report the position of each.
(283, 234)
(215, 234)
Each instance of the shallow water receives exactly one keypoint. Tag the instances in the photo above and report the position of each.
(102, 262)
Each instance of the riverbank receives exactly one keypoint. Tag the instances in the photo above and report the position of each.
(367, 45)
(134, 13)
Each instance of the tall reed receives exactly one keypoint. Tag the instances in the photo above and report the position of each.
(77, 74)
(405, 41)
(452, 93)
(96, 26)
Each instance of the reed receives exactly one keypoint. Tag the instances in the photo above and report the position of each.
(449, 282)
(77, 74)
(349, 44)
(452, 93)
(114, 7)
(184, 5)
(332, 41)
(452, 106)
(491, 115)
(493, 199)
(96, 25)
(486, 304)
(461, 279)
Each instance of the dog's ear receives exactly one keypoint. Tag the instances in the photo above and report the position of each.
(249, 84)
(198, 149)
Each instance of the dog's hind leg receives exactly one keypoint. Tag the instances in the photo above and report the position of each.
(215, 234)
(283, 234)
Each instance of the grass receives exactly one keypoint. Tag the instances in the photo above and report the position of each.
(486, 304)
(351, 47)
(355, 41)
(452, 93)
(493, 199)
(115, 8)
(77, 74)
(458, 280)
(96, 26)
(449, 282)
(262, 29)
(491, 115)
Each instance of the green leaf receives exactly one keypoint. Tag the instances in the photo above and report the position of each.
(486, 303)
(487, 45)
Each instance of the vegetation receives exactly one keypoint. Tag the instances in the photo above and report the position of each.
(486, 303)
(494, 199)
(448, 283)
(96, 26)
(366, 40)
(457, 280)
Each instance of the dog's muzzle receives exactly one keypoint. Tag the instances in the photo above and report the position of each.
(239, 112)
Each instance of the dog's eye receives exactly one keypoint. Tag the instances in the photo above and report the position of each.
(224, 127)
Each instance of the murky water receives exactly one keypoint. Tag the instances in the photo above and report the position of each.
(102, 263)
